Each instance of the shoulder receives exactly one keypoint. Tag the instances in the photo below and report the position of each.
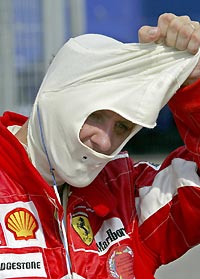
(12, 118)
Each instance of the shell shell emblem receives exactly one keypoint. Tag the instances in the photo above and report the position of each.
(22, 223)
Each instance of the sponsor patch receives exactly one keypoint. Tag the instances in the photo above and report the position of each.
(22, 265)
(120, 263)
(82, 226)
(21, 225)
(111, 232)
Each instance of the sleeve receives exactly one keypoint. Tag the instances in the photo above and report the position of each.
(185, 107)
(169, 208)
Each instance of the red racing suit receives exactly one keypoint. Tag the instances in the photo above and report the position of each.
(130, 220)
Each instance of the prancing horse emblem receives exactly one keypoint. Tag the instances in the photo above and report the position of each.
(82, 226)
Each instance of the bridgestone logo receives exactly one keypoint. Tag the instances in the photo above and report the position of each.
(111, 237)
(20, 265)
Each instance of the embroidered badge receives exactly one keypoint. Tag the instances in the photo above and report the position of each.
(120, 263)
(82, 226)
(22, 223)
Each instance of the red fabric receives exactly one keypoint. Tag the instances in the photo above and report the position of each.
(108, 235)
(21, 186)
(186, 111)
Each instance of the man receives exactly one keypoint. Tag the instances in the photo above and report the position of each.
(122, 220)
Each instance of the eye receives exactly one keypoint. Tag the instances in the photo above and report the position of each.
(123, 127)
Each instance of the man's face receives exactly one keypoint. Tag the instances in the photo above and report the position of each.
(104, 131)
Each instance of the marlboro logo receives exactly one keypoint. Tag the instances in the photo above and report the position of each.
(112, 236)
(111, 231)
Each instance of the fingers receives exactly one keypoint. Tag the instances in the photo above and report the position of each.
(147, 34)
(179, 32)
(164, 21)
(194, 43)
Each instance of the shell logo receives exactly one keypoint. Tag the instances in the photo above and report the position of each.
(22, 223)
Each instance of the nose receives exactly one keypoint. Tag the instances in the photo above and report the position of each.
(102, 141)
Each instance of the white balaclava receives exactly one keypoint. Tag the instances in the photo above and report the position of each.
(94, 72)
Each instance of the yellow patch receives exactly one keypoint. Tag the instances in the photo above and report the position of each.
(82, 226)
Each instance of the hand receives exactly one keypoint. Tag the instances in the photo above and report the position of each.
(179, 32)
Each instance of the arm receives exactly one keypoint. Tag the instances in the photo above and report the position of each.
(171, 205)
(184, 34)
(185, 106)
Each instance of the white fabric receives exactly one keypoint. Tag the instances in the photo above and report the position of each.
(14, 129)
(180, 173)
(73, 276)
(95, 72)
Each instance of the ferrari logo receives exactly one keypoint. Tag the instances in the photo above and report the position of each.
(82, 226)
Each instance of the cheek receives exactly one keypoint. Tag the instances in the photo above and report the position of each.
(117, 142)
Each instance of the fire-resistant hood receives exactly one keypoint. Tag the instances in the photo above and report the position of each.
(94, 72)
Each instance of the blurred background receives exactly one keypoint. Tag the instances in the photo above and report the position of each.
(32, 31)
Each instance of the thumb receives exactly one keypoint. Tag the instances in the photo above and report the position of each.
(148, 34)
